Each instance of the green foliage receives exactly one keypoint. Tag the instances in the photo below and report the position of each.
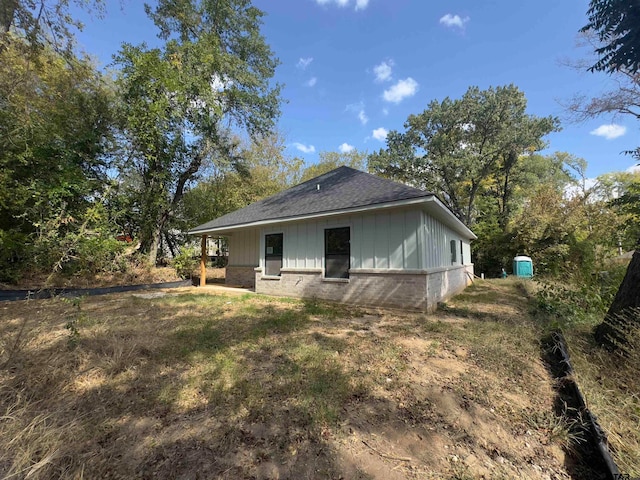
(43, 23)
(184, 263)
(565, 306)
(622, 189)
(55, 132)
(175, 122)
(55, 128)
(477, 153)
(569, 303)
(261, 170)
(67, 246)
(617, 24)
(569, 230)
(462, 149)
(74, 320)
(13, 255)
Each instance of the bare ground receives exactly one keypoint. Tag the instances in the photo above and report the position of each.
(189, 384)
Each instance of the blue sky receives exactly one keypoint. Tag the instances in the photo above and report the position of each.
(354, 69)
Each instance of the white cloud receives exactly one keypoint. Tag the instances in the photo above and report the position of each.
(401, 90)
(340, 3)
(304, 148)
(575, 189)
(385, 111)
(303, 63)
(454, 21)
(380, 134)
(312, 81)
(220, 84)
(634, 168)
(359, 4)
(383, 71)
(358, 109)
(609, 131)
(346, 148)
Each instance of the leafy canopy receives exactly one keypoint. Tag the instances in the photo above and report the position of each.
(455, 147)
(181, 102)
(617, 25)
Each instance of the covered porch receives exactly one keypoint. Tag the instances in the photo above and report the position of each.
(242, 258)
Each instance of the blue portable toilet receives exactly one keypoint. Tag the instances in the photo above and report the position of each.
(523, 266)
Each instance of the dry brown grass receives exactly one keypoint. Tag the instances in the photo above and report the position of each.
(198, 384)
(611, 384)
(136, 274)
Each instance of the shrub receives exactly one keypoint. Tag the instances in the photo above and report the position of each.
(184, 263)
(13, 251)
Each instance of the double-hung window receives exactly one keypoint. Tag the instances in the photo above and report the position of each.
(273, 254)
(337, 252)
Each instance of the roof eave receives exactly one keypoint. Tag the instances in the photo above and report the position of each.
(451, 219)
(445, 215)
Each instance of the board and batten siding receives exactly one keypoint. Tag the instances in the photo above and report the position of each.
(243, 248)
(398, 239)
(383, 240)
(437, 244)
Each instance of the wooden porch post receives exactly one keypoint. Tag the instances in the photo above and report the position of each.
(203, 261)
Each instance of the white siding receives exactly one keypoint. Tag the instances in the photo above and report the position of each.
(243, 248)
(437, 246)
(466, 251)
(383, 240)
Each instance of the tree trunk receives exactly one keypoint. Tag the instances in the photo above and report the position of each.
(625, 309)
(170, 244)
(154, 244)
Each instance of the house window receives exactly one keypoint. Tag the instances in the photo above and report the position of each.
(273, 254)
(337, 252)
(453, 251)
(461, 253)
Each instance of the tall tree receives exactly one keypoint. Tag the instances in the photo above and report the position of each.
(181, 101)
(569, 228)
(617, 25)
(498, 225)
(455, 146)
(263, 169)
(55, 129)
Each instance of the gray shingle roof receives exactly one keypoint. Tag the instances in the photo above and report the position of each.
(340, 189)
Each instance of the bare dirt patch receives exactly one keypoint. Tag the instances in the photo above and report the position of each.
(218, 386)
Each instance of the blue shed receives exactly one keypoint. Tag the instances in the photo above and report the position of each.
(523, 266)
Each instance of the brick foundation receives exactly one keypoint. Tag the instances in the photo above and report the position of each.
(410, 289)
(240, 276)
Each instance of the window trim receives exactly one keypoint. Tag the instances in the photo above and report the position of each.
(324, 253)
(454, 250)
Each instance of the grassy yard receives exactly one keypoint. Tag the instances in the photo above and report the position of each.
(192, 384)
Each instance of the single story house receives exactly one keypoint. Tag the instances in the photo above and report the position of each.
(348, 236)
